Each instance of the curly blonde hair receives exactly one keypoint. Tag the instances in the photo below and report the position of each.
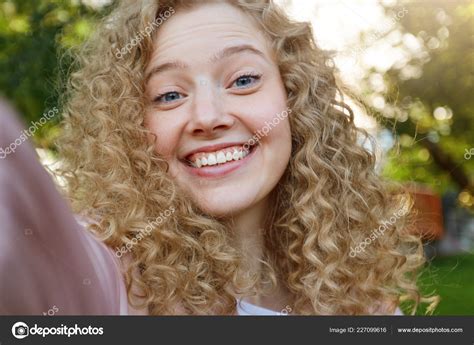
(328, 200)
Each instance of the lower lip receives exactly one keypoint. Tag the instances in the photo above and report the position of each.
(220, 170)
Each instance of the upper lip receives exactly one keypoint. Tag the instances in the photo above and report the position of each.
(212, 148)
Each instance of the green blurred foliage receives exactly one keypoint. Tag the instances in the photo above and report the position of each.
(34, 34)
(431, 96)
(452, 279)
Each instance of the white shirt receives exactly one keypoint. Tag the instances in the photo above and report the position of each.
(247, 309)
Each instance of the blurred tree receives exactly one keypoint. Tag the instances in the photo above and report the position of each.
(33, 34)
(428, 99)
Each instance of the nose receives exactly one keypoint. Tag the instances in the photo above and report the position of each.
(208, 114)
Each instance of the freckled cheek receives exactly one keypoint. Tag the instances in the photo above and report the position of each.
(166, 145)
(280, 136)
(166, 135)
(276, 138)
(272, 122)
(265, 109)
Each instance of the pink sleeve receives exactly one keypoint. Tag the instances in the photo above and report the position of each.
(48, 262)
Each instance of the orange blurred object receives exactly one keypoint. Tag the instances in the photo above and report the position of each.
(428, 212)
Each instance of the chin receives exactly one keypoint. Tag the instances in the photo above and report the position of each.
(225, 205)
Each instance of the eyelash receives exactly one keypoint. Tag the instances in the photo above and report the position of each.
(248, 75)
(157, 98)
(257, 77)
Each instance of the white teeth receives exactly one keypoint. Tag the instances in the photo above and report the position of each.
(211, 159)
(221, 157)
(235, 155)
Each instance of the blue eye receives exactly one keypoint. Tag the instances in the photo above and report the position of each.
(246, 80)
(168, 97)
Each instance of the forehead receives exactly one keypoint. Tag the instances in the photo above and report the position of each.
(194, 34)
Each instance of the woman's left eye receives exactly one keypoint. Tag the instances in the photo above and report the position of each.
(246, 80)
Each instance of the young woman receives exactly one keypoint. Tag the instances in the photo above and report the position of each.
(204, 146)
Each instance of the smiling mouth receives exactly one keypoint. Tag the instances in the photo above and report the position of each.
(219, 157)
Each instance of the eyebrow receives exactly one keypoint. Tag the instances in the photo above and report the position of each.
(222, 54)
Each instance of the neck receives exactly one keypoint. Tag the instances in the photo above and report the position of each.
(248, 228)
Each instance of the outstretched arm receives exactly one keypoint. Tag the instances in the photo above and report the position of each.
(48, 262)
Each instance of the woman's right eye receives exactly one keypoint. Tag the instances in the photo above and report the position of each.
(168, 97)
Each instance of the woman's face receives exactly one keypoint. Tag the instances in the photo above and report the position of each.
(212, 84)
